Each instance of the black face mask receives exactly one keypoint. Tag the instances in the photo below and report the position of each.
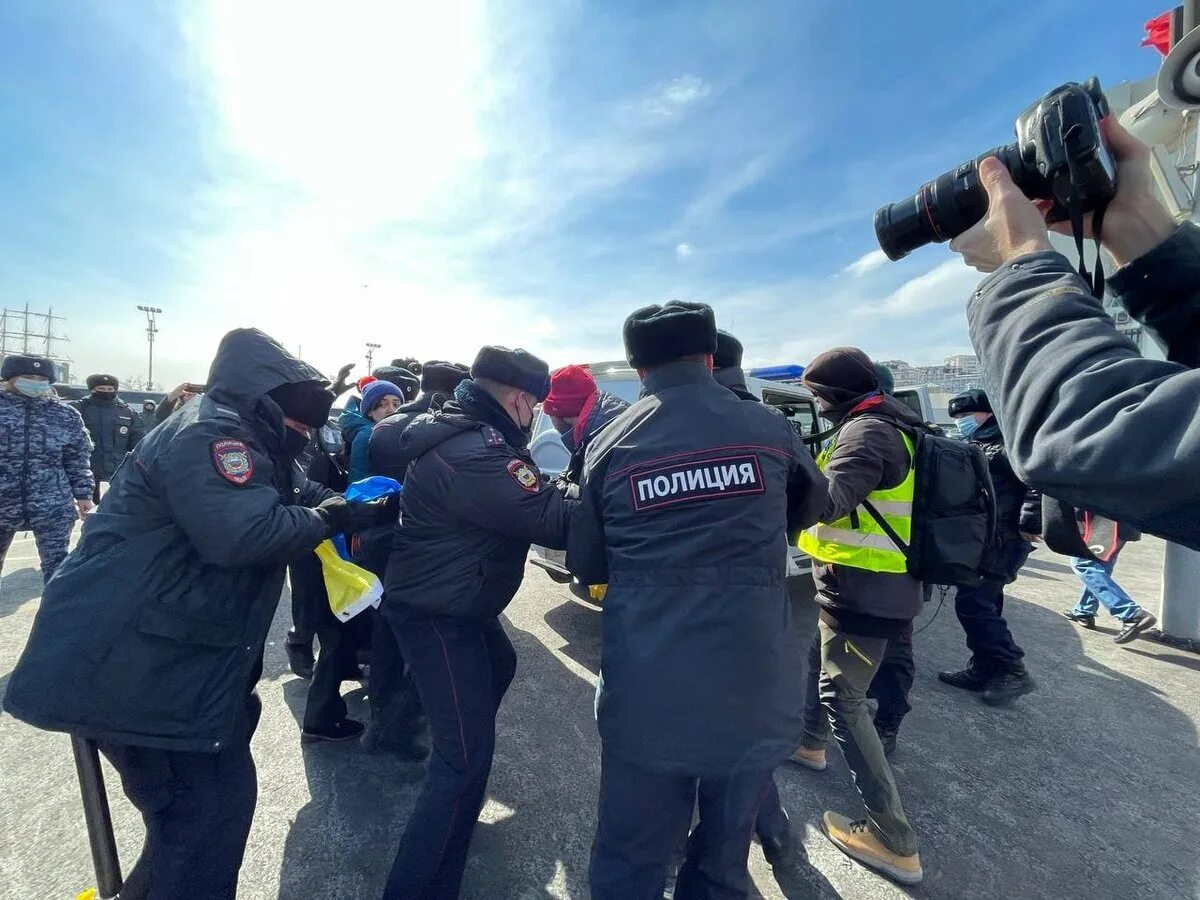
(103, 396)
(293, 442)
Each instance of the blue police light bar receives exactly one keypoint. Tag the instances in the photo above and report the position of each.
(778, 373)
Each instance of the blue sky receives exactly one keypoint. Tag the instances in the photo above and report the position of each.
(432, 176)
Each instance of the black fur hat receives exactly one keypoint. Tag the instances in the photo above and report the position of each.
(15, 366)
(439, 376)
(516, 368)
(95, 381)
(971, 401)
(729, 351)
(661, 334)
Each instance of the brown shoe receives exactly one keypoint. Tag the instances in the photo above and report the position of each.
(810, 759)
(856, 841)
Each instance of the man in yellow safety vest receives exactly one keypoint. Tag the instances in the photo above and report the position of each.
(866, 596)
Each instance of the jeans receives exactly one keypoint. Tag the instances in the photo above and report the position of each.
(52, 543)
(1099, 588)
(848, 665)
(462, 668)
(197, 808)
(644, 817)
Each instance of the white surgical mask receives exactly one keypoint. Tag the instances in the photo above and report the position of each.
(967, 426)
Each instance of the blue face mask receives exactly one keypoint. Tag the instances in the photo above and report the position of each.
(33, 387)
(967, 426)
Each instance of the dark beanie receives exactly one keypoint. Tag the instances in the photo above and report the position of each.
(305, 401)
(515, 368)
(887, 381)
(441, 376)
(729, 352)
(971, 401)
(95, 381)
(401, 378)
(16, 366)
(840, 375)
(655, 335)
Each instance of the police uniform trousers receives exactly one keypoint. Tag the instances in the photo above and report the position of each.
(462, 669)
(337, 660)
(52, 540)
(197, 809)
(980, 611)
(644, 816)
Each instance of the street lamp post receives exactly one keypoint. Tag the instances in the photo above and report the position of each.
(151, 330)
(371, 348)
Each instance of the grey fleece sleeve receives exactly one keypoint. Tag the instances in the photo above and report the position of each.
(1086, 418)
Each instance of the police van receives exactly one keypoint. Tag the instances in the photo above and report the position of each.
(778, 387)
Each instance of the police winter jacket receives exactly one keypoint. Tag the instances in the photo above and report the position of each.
(1087, 419)
(870, 454)
(686, 501)
(383, 451)
(473, 502)
(602, 409)
(734, 378)
(44, 453)
(115, 429)
(152, 632)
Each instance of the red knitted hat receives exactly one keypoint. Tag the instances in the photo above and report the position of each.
(570, 388)
(364, 381)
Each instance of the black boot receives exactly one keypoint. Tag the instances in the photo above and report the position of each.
(1007, 687)
(380, 738)
(972, 678)
(345, 730)
(785, 850)
(300, 656)
(888, 732)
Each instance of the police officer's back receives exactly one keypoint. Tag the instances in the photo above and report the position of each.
(151, 638)
(686, 501)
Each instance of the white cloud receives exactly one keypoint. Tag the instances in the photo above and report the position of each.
(673, 97)
(684, 250)
(946, 286)
(866, 263)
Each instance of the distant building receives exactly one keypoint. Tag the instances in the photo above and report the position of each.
(957, 374)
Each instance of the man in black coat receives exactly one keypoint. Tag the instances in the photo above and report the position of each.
(997, 667)
(686, 502)
(115, 428)
(473, 502)
(150, 639)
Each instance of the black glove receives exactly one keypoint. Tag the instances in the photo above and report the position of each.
(337, 513)
(369, 514)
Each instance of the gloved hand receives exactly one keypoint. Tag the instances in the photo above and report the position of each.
(373, 512)
(337, 513)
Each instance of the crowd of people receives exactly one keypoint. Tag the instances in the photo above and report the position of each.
(149, 638)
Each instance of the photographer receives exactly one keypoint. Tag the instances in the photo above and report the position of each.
(1071, 392)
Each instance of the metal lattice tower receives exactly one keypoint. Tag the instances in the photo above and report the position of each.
(24, 332)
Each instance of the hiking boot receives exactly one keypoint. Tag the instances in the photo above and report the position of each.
(345, 730)
(378, 738)
(810, 759)
(856, 841)
(300, 658)
(1085, 619)
(1007, 687)
(972, 678)
(784, 851)
(888, 732)
(1135, 627)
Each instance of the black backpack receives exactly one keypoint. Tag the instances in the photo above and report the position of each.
(954, 509)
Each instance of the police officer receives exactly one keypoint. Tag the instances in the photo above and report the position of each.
(396, 717)
(997, 668)
(44, 451)
(473, 502)
(686, 503)
(114, 427)
(150, 640)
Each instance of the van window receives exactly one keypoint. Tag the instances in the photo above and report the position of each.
(801, 413)
(912, 400)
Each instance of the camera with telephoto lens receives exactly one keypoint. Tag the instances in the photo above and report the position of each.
(1059, 155)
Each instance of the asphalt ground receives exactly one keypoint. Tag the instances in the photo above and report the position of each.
(1085, 789)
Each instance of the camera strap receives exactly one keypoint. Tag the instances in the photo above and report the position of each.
(1075, 213)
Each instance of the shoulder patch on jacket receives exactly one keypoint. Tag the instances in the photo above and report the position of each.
(525, 475)
(492, 437)
(232, 460)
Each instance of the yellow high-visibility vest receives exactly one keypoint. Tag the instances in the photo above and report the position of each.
(863, 544)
